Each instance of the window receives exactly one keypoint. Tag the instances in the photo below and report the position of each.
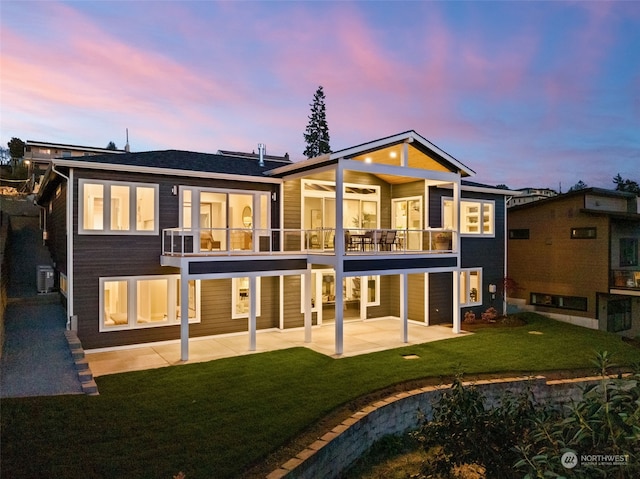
(118, 208)
(64, 284)
(619, 315)
(583, 233)
(142, 302)
(519, 234)
(557, 301)
(477, 217)
(240, 297)
(628, 251)
(323, 285)
(470, 287)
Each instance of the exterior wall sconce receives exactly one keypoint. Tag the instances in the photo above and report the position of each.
(174, 190)
(492, 290)
(273, 196)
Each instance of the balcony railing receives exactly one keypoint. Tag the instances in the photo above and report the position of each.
(245, 241)
(625, 279)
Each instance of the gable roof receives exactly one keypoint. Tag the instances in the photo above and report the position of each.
(406, 137)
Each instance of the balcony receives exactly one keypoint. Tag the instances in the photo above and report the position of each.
(625, 279)
(259, 242)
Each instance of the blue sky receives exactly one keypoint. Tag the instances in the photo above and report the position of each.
(525, 93)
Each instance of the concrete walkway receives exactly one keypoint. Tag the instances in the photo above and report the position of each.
(36, 359)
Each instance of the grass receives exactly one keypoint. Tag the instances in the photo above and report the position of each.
(216, 419)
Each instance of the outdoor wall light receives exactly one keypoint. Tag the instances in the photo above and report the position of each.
(492, 290)
(174, 190)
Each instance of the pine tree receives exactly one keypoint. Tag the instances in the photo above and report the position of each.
(317, 134)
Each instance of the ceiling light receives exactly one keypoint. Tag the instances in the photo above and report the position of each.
(368, 159)
(393, 154)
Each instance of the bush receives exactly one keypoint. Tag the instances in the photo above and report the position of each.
(469, 317)
(490, 315)
(523, 439)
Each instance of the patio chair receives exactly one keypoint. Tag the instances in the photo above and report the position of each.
(389, 240)
(376, 238)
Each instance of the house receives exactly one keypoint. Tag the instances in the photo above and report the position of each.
(161, 245)
(527, 195)
(575, 257)
(38, 155)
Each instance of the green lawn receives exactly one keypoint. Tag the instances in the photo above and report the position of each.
(213, 420)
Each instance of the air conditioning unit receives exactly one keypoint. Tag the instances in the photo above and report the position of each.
(45, 278)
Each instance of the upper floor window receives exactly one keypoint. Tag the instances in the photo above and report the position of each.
(583, 233)
(109, 207)
(519, 233)
(477, 217)
(628, 251)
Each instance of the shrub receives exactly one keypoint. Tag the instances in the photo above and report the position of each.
(522, 439)
(490, 315)
(469, 317)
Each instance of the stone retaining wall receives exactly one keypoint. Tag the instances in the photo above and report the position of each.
(334, 452)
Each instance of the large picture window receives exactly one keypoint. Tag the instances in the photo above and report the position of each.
(142, 302)
(477, 217)
(109, 207)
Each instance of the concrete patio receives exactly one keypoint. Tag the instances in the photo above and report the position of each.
(360, 337)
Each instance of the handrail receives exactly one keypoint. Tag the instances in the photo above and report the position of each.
(269, 241)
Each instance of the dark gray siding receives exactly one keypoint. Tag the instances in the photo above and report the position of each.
(97, 256)
(440, 298)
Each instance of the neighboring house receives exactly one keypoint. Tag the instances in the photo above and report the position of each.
(529, 195)
(39, 154)
(163, 245)
(576, 257)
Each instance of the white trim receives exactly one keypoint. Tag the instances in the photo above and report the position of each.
(467, 272)
(234, 297)
(106, 208)
(87, 164)
(172, 318)
(460, 204)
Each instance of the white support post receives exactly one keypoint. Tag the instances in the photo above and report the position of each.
(307, 305)
(364, 296)
(339, 312)
(252, 313)
(456, 301)
(404, 306)
(281, 303)
(184, 315)
(340, 255)
(426, 299)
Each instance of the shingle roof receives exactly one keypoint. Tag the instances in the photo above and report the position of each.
(185, 161)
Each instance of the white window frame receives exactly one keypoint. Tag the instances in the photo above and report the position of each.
(106, 208)
(235, 294)
(319, 273)
(482, 203)
(173, 284)
(467, 292)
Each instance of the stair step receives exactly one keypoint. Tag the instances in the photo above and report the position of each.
(90, 388)
(77, 354)
(81, 364)
(85, 376)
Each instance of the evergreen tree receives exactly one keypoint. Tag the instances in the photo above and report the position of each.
(580, 185)
(626, 185)
(112, 146)
(317, 134)
(16, 150)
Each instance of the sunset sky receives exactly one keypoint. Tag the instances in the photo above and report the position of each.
(524, 93)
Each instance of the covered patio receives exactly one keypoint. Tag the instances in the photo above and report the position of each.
(360, 337)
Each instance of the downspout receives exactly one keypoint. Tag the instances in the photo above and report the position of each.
(504, 276)
(69, 228)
